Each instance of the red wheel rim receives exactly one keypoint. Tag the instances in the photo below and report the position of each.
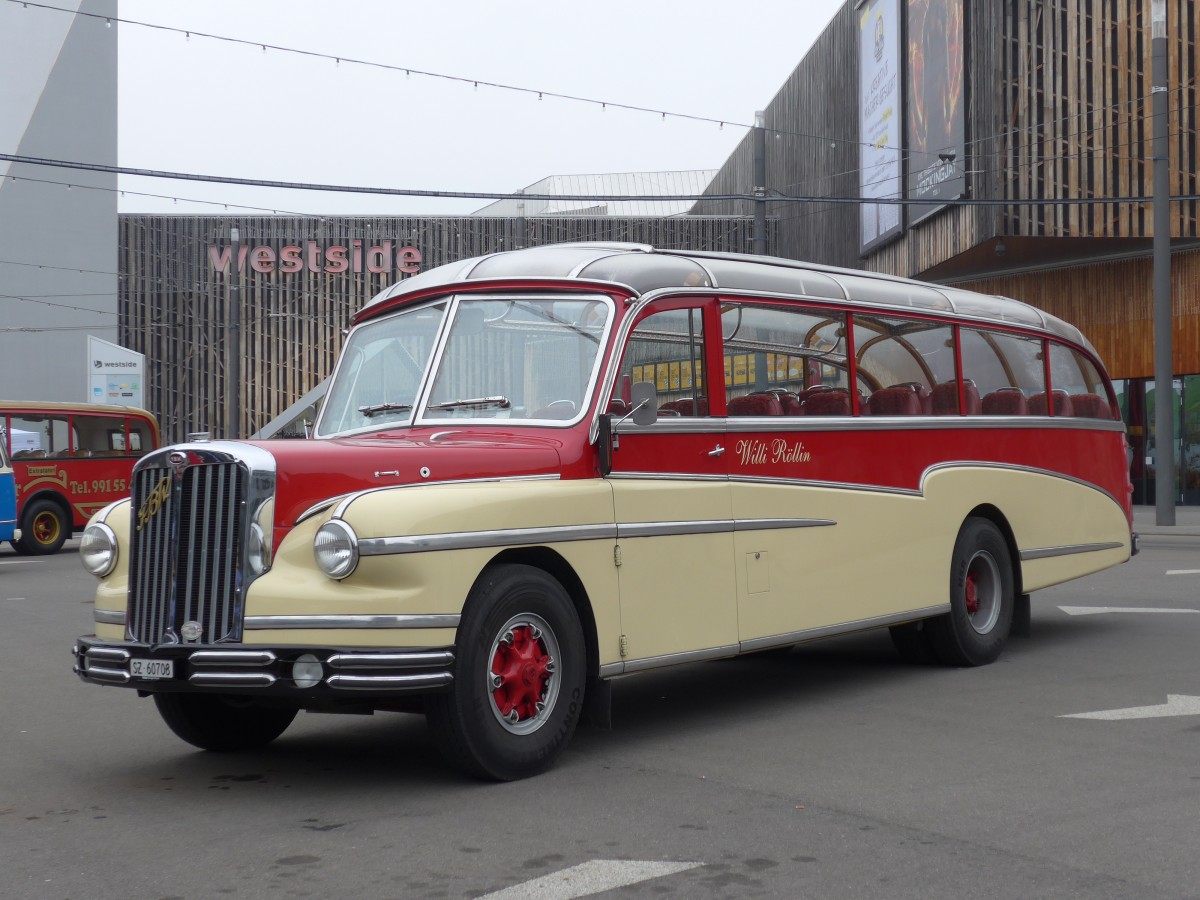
(522, 673)
(45, 528)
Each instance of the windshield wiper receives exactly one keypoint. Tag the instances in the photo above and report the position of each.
(498, 402)
(370, 411)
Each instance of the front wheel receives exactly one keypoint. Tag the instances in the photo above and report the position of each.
(975, 630)
(44, 529)
(220, 723)
(519, 677)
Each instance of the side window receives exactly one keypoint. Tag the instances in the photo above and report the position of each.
(667, 350)
(905, 366)
(141, 438)
(37, 437)
(1078, 388)
(784, 361)
(1005, 369)
(99, 435)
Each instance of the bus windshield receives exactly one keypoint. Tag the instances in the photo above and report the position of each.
(532, 359)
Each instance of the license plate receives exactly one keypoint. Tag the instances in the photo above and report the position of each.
(151, 669)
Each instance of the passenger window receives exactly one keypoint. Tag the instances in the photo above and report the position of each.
(667, 350)
(37, 437)
(779, 358)
(1078, 385)
(1005, 369)
(903, 364)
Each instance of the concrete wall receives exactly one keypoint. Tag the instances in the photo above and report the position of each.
(58, 246)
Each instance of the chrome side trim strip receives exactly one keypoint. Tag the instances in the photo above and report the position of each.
(390, 660)
(772, 524)
(609, 670)
(231, 679)
(108, 617)
(386, 682)
(350, 498)
(811, 634)
(474, 540)
(232, 658)
(1069, 550)
(670, 529)
(656, 662)
(790, 424)
(260, 623)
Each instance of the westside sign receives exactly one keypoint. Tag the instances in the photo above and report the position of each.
(311, 256)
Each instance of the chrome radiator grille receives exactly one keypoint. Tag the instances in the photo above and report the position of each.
(186, 552)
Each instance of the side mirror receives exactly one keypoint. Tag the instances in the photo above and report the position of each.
(644, 399)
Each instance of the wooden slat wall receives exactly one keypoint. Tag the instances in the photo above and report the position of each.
(1113, 304)
(173, 306)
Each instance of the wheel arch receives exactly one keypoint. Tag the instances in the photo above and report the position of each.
(996, 517)
(558, 568)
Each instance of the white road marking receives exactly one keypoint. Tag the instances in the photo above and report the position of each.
(592, 877)
(17, 562)
(1098, 610)
(1183, 571)
(1176, 705)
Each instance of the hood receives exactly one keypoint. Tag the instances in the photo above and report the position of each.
(311, 471)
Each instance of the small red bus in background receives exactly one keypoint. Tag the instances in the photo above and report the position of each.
(70, 460)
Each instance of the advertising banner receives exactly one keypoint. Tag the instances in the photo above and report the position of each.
(935, 105)
(879, 121)
(115, 374)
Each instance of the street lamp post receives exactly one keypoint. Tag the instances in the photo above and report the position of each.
(1164, 391)
(233, 368)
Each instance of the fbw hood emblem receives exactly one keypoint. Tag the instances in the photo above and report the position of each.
(177, 461)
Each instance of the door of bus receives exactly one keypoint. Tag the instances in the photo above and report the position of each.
(671, 494)
(8, 494)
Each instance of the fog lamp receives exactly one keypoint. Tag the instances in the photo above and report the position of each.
(307, 671)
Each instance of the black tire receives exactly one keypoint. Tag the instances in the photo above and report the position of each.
(975, 630)
(44, 529)
(911, 641)
(520, 619)
(220, 723)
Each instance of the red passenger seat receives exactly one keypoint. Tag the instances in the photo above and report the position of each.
(826, 401)
(617, 407)
(686, 407)
(1062, 404)
(791, 403)
(1007, 401)
(762, 403)
(1090, 406)
(897, 400)
(944, 400)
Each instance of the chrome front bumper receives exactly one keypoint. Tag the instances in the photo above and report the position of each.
(266, 671)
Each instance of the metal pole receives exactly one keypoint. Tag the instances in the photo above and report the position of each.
(233, 427)
(1164, 392)
(522, 236)
(759, 189)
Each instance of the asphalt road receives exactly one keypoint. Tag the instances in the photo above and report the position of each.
(830, 771)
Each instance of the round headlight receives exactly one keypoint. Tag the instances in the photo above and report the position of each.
(98, 549)
(258, 551)
(336, 549)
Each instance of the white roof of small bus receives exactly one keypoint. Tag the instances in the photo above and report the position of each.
(644, 268)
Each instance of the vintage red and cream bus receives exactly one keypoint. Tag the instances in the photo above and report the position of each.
(537, 471)
(70, 460)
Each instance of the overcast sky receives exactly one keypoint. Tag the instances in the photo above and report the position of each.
(200, 105)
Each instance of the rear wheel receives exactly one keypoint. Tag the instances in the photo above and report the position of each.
(44, 529)
(975, 630)
(221, 723)
(518, 680)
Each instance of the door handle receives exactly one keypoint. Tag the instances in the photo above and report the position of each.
(716, 451)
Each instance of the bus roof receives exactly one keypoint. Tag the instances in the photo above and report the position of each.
(99, 409)
(642, 269)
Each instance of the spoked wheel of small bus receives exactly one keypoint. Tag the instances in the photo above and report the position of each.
(224, 724)
(975, 630)
(44, 529)
(518, 676)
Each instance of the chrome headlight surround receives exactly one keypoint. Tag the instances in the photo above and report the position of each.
(258, 550)
(335, 549)
(98, 549)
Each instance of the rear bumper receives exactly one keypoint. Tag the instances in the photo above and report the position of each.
(264, 671)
